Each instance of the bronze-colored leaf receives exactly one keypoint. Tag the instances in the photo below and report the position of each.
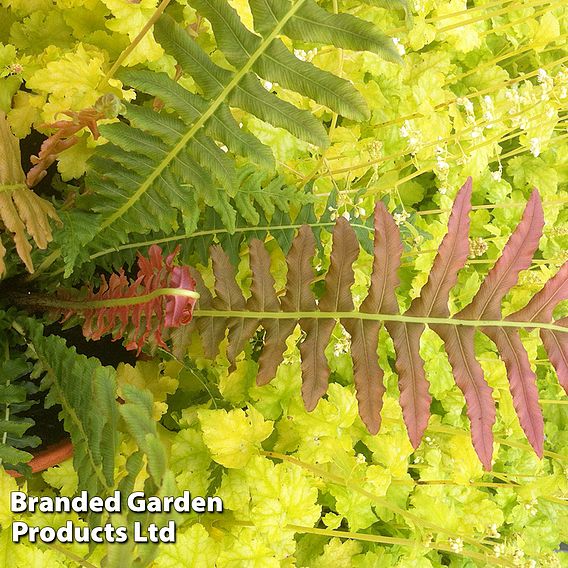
(229, 298)
(211, 330)
(336, 298)
(263, 299)
(381, 298)
(468, 374)
(556, 345)
(516, 256)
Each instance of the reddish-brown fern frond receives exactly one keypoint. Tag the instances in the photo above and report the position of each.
(279, 315)
(142, 309)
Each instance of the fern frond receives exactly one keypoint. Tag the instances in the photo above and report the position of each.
(229, 310)
(260, 201)
(175, 158)
(311, 23)
(74, 381)
(160, 298)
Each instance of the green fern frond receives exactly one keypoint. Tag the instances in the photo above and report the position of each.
(314, 24)
(212, 212)
(159, 164)
(267, 212)
(74, 381)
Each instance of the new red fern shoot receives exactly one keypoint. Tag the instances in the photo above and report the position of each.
(161, 297)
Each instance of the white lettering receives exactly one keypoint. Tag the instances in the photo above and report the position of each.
(19, 529)
(18, 502)
(112, 503)
(198, 504)
(183, 504)
(138, 537)
(96, 505)
(168, 533)
(214, 505)
(136, 503)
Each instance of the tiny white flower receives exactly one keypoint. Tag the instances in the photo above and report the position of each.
(442, 165)
(535, 147)
(399, 47)
(456, 545)
(497, 175)
(477, 132)
(400, 218)
(300, 54)
(498, 550)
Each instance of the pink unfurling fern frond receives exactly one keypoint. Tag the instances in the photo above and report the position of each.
(160, 298)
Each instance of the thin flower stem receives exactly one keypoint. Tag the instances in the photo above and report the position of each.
(552, 203)
(505, 442)
(520, 51)
(488, 15)
(451, 482)
(518, 21)
(133, 44)
(338, 480)
(379, 539)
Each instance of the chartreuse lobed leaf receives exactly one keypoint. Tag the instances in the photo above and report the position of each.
(317, 317)
(233, 437)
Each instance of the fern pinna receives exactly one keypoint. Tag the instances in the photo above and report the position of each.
(229, 310)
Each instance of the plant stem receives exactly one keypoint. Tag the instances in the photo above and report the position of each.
(379, 539)
(37, 300)
(132, 46)
(71, 555)
(376, 317)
